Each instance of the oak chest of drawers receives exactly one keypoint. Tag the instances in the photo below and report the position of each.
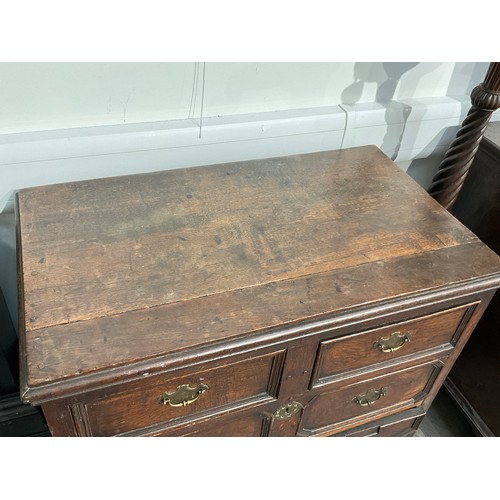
(310, 295)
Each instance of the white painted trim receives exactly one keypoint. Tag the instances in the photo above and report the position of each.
(406, 130)
(113, 139)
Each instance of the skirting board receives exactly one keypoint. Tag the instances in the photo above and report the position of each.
(405, 130)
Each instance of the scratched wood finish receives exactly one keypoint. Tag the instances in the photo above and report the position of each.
(139, 405)
(352, 352)
(338, 407)
(136, 242)
(230, 238)
(235, 274)
(68, 351)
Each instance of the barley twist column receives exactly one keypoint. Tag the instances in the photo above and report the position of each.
(453, 170)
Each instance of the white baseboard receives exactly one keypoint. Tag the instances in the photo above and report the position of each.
(404, 130)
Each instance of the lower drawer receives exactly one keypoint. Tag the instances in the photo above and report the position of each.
(401, 425)
(346, 406)
(241, 424)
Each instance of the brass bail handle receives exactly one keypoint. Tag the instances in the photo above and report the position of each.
(184, 395)
(392, 343)
(370, 397)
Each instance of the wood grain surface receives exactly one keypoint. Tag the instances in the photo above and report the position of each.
(121, 269)
(356, 351)
(401, 388)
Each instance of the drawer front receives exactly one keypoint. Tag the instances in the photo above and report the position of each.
(350, 405)
(244, 424)
(399, 429)
(400, 425)
(163, 400)
(352, 352)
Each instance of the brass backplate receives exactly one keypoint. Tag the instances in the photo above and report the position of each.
(183, 395)
(287, 411)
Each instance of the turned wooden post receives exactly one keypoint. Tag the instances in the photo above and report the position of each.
(453, 170)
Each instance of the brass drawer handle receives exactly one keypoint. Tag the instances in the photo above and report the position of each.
(183, 395)
(392, 343)
(287, 411)
(370, 397)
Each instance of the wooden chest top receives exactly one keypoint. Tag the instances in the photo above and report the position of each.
(120, 270)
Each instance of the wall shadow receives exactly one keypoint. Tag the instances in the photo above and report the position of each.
(386, 76)
(462, 81)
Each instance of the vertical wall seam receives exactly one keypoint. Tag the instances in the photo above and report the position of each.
(202, 97)
(194, 92)
(345, 125)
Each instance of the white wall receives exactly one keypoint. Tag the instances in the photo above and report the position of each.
(71, 121)
(45, 96)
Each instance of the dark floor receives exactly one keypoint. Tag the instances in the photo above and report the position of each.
(444, 419)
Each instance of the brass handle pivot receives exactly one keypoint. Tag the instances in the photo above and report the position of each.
(370, 397)
(183, 395)
(392, 343)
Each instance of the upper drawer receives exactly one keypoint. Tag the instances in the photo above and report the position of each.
(360, 350)
(161, 399)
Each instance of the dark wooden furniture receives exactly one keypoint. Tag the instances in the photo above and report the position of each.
(475, 378)
(311, 295)
(450, 177)
(9, 353)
